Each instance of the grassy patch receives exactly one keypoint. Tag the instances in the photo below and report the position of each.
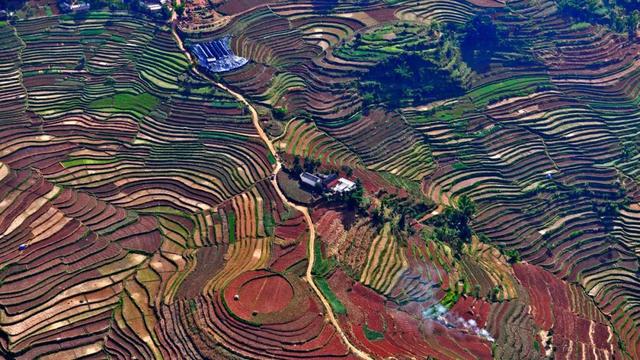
(269, 224)
(231, 221)
(271, 158)
(84, 161)
(450, 299)
(321, 266)
(520, 86)
(452, 112)
(459, 166)
(119, 39)
(372, 334)
(293, 190)
(167, 86)
(221, 136)
(412, 187)
(141, 103)
(336, 305)
(91, 32)
(225, 104)
(580, 26)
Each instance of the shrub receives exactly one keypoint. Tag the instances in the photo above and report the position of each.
(279, 113)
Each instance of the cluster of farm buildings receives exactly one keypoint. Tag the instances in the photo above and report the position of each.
(330, 183)
(73, 6)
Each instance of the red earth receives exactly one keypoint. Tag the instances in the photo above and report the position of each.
(258, 292)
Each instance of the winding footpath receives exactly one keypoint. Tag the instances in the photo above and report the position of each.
(278, 166)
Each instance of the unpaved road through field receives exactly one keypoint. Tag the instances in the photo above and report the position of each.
(274, 180)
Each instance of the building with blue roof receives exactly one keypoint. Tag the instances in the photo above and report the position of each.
(217, 56)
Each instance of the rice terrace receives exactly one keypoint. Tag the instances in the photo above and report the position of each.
(320, 179)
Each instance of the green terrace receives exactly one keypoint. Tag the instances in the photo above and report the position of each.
(86, 161)
(388, 40)
(499, 90)
(141, 104)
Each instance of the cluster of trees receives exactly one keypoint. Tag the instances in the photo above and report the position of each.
(583, 10)
(416, 76)
(481, 38)
(408, 78)
(605, 204)
(400, 211)
(309, 165)
(11, 5)
(355, 199)
(607, 211)
(620, 15)
(452, 227)
(480, 41)
(629, 4)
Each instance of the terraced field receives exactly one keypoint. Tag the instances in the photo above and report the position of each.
(496, 211)
(131, 186)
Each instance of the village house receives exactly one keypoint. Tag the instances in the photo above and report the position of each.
(151, 6)
(341, 185)
(74, 6)
(311, 180)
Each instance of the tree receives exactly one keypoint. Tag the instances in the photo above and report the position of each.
(310, 165)
(584, 10)
(166, 13)
(179, 8)
(447, 235)
(466, 206)
(297, 169)
(619, 15)
(480, 42)
(355, 198)
(324, 6)
(81, 63)
(347, 170)
(634, 21)
(186, 88)
(513, 256)
(279, 113)
(377, 216)
(357, 39)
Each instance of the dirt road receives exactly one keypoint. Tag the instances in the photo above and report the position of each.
(277, 167)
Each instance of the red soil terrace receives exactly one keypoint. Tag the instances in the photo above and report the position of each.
(258, 292)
